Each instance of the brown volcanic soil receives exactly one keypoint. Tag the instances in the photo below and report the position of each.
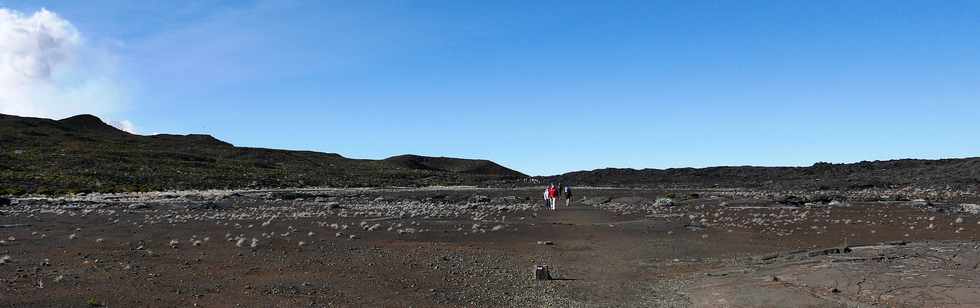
(476, 247)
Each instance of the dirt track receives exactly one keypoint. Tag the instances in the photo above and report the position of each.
(476, 247)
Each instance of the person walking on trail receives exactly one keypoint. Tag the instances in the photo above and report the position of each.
(552, 195)
(558, 187)
(568, 195)
(546, 202)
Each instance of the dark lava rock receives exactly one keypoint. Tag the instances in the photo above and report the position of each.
(289, 195)
(4, 201)
(825, 198)
(334, 205)
(597, 200)
(208, 206)
(508, 199)
(695, 227)
(792, 200)
(921, 203)
(480, 199)
(138, 206)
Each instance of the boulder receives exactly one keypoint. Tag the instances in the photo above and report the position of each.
(5, 201)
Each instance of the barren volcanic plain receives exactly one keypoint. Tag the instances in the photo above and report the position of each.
(470, 246)
(94, 216)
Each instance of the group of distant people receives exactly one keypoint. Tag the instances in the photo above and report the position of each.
(554, 193)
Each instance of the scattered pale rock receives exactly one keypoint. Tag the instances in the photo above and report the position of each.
(970, 208)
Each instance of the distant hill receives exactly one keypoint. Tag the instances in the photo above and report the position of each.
(83, 153)
(89, 124)
(953, 173)
(456, 165)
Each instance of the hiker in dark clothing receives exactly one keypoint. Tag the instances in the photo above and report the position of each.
(568, 195)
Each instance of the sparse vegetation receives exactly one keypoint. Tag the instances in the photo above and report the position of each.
(939, 174)
(82, 155)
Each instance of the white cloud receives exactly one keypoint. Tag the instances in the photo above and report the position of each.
(124, 125)
(48, 70)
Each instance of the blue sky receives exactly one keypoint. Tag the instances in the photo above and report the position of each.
(547, 87)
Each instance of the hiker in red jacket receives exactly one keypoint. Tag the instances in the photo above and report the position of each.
(552, 195)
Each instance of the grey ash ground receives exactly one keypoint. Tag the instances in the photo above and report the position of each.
(464, 246)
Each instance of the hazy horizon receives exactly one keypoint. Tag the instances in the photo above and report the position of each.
(543, 88)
